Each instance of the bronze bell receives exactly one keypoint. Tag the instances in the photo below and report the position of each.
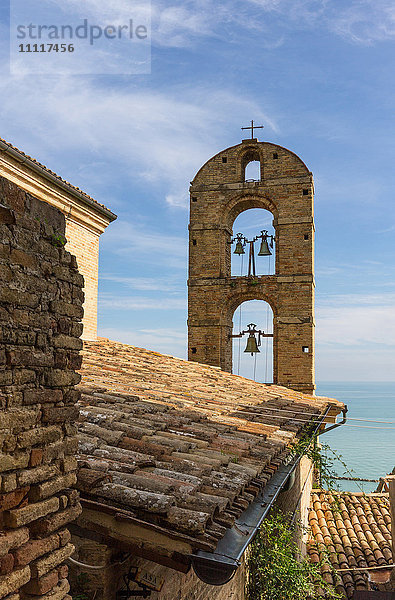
(252, 346)
(239, 247)
(264, 249)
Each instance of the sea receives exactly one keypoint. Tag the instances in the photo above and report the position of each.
(367, 447)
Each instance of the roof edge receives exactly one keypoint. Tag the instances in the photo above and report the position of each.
(218, 567)
(53, 178)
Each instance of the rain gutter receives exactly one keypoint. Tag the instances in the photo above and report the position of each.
(218, 567)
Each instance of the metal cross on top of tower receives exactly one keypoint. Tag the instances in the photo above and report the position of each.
(252, 127)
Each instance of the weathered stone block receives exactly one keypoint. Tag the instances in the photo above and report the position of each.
(36, 457)
(49, 488)
(22, 376)
(63, 571)
(12, 499)
(69, 463)
(42, 396)
(42, 565)
(12, 539)
(68, 342)
(60, 378)
(43, 584)
(14, 581)
(59, 592)
(64, 308)
(40, 435)
(6, 564)
(5, 251)
(36, 548)
(31, 512)
(7, 216)
(8, 482)
(65, 536)
(10, 462)
(5, 273)
(18, 298)
(19, 418)
(6, 378)
(60, 415)
(40, 473)
(24, 259)
(30, 358)
(54, 522)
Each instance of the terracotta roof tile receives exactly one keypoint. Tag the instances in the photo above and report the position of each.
(351, 530)
(177, 444)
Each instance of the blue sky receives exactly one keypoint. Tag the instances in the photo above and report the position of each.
(319, 74)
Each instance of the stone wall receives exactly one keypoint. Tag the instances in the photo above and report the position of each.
(86, 220)
(171, 585)
(40, 312)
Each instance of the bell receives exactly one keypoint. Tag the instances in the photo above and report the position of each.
(252, 346)
(264, 249)
(239, 248)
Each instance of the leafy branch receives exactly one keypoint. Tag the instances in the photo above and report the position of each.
(276, 571)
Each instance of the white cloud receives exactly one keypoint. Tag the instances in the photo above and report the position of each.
(165, 341)
(143, 283)
(366, 21)
(358, 321)
(116, 302)
(137, 243)
(148, 133)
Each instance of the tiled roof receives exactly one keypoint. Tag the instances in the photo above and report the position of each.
(352, 531)
(177, 444)
(35, 163)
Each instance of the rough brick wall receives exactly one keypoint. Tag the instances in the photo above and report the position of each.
(218, 195)
(104, 584)
(40, 311)
(84, 244)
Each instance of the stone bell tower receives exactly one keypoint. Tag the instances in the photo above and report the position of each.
(219, 193)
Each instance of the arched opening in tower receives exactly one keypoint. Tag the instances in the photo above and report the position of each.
(251, 224)
(253, 171)
(253, 365)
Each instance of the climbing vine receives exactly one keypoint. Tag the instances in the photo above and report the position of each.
(276, 571)
(325, 460)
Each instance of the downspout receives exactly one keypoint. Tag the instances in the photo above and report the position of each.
(218, 567)
(344, 411)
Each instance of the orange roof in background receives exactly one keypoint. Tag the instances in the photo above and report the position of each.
(351, 530)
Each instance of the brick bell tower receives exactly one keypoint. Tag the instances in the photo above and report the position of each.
(219, 193)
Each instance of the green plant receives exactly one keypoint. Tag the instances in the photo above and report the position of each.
(80, 588)
(234, 458)
(276, 571)
(58, 240)
(326, 461)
